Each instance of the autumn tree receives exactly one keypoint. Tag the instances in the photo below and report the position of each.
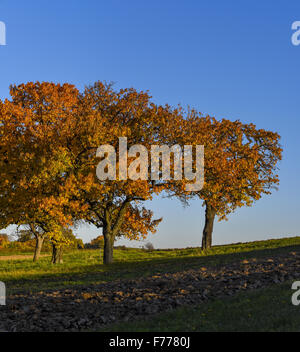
(97, 242)
(4, 239)
(113, 204)
(240, 166)
(30, 231)
(23, 235)
(32, 164)
(60, 238)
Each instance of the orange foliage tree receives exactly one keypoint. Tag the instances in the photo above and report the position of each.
(3, 240)
(32, 163)
(113, 205)
(240, 166)
(50, 135)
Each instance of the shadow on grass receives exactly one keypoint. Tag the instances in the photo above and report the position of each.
(263, 309)
(92, 274)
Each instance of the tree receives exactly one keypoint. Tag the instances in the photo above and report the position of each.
(149, 246)
(24, 235)
(4, 239)
(97, 242)
(240, 166)
(113, 205)
(32, 163)
(60, 238)
(39, 236)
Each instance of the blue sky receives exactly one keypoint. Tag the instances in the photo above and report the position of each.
(231, 59)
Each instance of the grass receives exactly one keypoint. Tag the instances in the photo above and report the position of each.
(12, 251)
(268, 309)
(84, 267)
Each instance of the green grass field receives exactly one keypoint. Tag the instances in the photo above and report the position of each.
(267, 309)
(82, 267)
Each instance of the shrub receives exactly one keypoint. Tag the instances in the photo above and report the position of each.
(3, 240)
(97, 242)
(149, 246)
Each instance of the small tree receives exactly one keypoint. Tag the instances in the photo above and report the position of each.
(79, 243)
(149, 246)
(4, 239)
(60, 238)
(97, 242)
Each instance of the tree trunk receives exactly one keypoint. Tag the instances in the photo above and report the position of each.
(108, 248)
(111, 229)
(210, 214)
(38, 247)
(56, 255)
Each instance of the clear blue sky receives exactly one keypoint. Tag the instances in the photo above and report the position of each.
(231, 59)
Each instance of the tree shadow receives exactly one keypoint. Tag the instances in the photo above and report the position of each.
(94, 274)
